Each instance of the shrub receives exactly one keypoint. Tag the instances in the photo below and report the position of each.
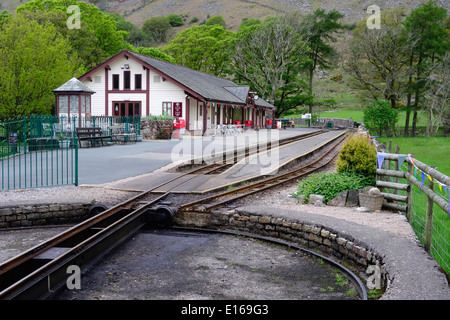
(358, 156)
(331, 184)
(175, 20)
(380, 116)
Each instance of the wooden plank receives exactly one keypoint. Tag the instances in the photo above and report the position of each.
(395, 197)
(392, 185)
(430, 193)
(394, 206)
(390, 173)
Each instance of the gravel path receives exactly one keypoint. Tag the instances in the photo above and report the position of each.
(278, 198)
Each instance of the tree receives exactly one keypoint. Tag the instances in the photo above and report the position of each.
(204, 48)
(437, 97)
(175, 20)
(96, 40)
(320, 28)
(216, 20)
(158, 28)
(155, 53)
(136, 37)
(270, 57)
(380, 116)
(35, 59)
(377, 58)
(429, 41)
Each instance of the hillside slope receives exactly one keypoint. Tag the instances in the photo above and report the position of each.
(233, 11)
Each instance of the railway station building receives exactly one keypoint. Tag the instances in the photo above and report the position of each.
(133, 84)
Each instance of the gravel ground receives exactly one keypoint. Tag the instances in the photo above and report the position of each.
(279, 198)
(395, 223)
(70, 194)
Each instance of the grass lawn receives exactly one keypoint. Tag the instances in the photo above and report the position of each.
(433, 151)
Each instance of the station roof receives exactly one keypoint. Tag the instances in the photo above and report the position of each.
(210, 87)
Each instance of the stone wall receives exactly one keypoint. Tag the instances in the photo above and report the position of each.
(42, 214)
(151, 129)
(337, 123)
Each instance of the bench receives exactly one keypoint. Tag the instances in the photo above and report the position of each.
(90, 134)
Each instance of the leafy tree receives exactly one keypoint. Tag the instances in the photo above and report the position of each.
(204, 48)
(155, 53)
(377, 58)
(271, 56)
(216, 20)
(429, 40)
(136, 37)
(320, 28)
(4, 15)
(35, 59)
(158, 28)
(96, 40)
(175, 20)
(249, 22)
(437, 97)
(380, 116)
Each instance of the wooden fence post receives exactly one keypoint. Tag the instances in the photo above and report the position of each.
(429, 221)
(409, 195)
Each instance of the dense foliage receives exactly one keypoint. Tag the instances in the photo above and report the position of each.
(331, 184)
(405, 62)
(35, 59)
(357, 156)
(380, 117)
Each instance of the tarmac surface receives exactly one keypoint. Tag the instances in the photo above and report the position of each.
(116, 162)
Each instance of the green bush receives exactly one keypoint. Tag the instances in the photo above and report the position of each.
(380, 116)
(358, 156)
(175, 20)
(331, 184)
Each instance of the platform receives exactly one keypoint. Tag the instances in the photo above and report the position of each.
(261, 164)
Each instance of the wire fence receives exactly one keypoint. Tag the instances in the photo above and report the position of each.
(430, 221)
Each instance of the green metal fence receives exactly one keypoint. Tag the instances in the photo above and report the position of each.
(42, 151)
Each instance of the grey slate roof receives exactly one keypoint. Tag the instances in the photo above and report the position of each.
(74, 85)
(208, 86)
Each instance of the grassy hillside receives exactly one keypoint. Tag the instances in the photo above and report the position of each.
(233, 11)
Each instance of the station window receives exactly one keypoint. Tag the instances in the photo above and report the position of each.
(126, 80)
(116, 81)
(138, 81)
(167, 108)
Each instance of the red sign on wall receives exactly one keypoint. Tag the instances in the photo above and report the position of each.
(178, 109)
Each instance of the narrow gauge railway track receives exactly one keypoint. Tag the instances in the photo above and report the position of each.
(221, 199)
(42, 270)
(222, 165)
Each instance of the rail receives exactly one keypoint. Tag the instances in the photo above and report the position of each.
(42, 270)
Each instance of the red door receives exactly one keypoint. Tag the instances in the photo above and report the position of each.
(126, 109)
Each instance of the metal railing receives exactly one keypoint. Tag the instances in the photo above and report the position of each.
(42, 151)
